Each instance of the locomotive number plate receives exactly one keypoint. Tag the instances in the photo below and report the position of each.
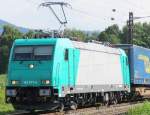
(30, 82)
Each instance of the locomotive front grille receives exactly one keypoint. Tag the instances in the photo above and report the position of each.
(28, 91)
(28, 94)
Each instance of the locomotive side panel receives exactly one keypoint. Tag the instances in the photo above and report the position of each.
(100, 69)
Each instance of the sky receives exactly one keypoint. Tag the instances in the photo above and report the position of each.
(93, 15)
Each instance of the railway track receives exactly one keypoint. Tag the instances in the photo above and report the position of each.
(119, 109)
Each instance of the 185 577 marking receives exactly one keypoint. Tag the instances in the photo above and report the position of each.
(30, 82)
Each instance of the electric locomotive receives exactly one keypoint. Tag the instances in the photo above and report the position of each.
(65, 72)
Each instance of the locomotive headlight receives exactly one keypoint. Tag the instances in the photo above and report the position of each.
(46, 82)
(14, 82)
(31, 66)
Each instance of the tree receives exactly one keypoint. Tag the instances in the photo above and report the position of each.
(30, 34)
(141, 34)
(9, 34)
(103, 36)
(4, 50)
(81, 35)
(75, 34)
(111, 34)
(124, 35)
(92, 36)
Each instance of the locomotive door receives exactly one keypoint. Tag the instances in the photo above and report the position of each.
(70, 67)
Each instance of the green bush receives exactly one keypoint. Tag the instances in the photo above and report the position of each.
(143, 109)
(4, 108)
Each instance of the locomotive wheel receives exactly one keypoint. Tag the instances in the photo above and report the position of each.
(32, 110)
(61, 107)
(10, 99)
(115, 101)
(106, 99)
(106, 103)
(73, 105)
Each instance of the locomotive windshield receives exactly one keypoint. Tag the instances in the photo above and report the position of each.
(33, 52)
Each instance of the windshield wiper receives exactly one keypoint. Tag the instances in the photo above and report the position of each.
(21, 62)
(40, 62)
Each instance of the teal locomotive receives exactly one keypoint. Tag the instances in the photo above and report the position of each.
(66, 73)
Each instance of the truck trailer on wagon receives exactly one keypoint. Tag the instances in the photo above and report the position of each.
(139, 66)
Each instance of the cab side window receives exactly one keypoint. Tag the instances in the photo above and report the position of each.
(127, 63)
(66, 54)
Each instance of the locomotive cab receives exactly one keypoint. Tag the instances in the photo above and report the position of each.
(30, 70)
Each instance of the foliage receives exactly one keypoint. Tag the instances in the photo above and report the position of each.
(93, 36)
(143, 109)
(75, 34)
(9, 34)
(4, 108)
(4, 51)
(111, 34)
(30, 34)
(81, 35)
(142, 34)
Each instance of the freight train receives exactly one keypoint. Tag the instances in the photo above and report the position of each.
(58, 71)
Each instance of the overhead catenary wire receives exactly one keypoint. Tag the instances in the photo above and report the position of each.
(135, 5)
(96, 17)
(78, 11)
(48, 4)
(140, 8)
(85, 13)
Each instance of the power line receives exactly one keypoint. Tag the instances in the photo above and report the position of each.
(48, 4)
(130, 24)
(137, 6)
(85, 13)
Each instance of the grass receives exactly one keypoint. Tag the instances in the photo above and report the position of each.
(4, 108)
(143, 109)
